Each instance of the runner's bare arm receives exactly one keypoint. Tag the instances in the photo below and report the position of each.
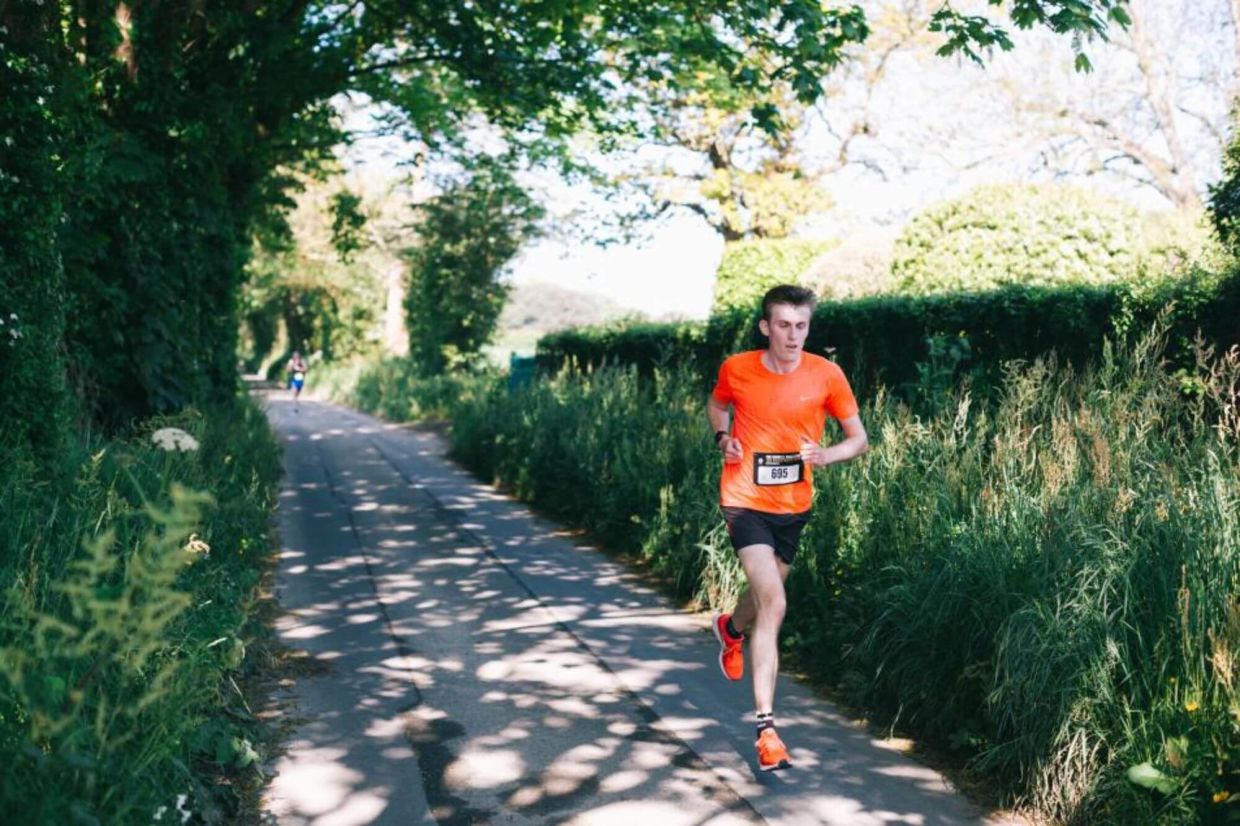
(718, 415)
(854, 444)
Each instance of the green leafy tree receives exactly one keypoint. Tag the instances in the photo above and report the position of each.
(737, 154)
(1037, 235)
(1225, 196)
(467, 236)
(746, 178)
(316, 284)
(972, 34)
(179, 123)
(750, 268)
(347, 223)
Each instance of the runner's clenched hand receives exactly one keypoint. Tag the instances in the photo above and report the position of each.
(732, 450)
(813, 454)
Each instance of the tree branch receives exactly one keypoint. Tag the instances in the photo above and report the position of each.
(331, 25)
(1177, 170)
(402, 62)
(1209, 125)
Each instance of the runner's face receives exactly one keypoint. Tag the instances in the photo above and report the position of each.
(787, 329)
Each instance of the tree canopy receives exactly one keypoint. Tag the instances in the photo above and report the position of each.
(467, 236)
(1038, 235)
(146, 143)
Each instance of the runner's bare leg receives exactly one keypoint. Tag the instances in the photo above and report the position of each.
(760, 613)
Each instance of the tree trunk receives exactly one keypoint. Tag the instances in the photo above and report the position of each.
(1175, 180)
(1235, 34)
(395, 336)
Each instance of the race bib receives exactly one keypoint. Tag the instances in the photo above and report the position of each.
(777, 468)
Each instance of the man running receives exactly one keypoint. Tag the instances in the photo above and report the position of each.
(778, 399)
(297, 368)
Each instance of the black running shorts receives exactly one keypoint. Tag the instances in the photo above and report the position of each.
(782, 531)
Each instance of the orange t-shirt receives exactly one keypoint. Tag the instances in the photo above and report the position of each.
(772, 415)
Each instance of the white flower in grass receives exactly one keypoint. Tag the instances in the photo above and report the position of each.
(183, 808)
(173, 438)
(194, 545)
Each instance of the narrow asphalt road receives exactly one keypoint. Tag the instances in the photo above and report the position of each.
(481, 667)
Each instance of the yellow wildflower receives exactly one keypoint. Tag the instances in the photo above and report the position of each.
(1191, 705)
(1220, 797)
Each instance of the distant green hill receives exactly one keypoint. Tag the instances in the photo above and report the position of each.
(541, 307)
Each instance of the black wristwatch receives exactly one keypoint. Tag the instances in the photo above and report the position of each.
(719, 435)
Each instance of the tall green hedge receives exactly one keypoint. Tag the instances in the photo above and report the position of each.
(885, 338)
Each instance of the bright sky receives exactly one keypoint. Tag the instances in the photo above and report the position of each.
(672, 273)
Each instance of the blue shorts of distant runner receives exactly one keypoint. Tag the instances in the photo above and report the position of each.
(781, 531)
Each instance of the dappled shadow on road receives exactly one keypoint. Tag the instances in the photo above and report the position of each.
(483, 669)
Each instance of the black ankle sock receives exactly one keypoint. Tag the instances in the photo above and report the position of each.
(732, 630)
(765, 721)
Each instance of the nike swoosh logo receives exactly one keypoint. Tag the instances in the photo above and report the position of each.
(806, 398)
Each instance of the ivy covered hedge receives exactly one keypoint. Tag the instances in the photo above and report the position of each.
(134, 172)
(33, 402)
(885, 338)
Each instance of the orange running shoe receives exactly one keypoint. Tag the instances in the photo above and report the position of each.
(731, 657)
(772, 753)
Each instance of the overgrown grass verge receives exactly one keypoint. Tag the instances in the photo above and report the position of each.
(394, 389)
(131, 580)
(1047, 587)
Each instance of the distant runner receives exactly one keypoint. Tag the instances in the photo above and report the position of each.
(779, 399)
(297, 368)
